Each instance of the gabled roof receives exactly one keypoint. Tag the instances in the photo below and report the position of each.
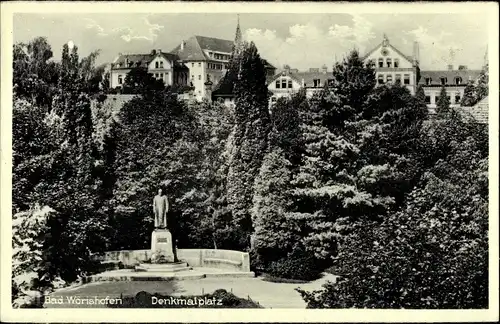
(408, 57)
(436, 76)
(215, 44)
(194, 48)
(306, 77)
(143, 59)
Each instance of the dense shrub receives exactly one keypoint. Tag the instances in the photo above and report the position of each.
(298, 265)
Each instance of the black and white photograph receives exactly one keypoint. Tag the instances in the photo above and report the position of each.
(250, 159)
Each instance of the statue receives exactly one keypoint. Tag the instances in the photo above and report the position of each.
(160, 209)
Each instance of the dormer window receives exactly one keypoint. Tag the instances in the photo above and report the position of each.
(388, 62)
(283, 83)
(458, 80)
(157, 64)
(278, 84)
(443, 80)
(317, 83)
(380, 62)
(290, 84)
(428, 81)
(389, 78)
(396, 63)
(161, 64)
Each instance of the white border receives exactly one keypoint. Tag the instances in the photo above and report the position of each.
(232, 315)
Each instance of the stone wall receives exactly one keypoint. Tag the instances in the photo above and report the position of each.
(222, 259)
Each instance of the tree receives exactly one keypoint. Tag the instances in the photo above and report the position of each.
(31, 277)
(285, 127)
(250, 139)
(441, 231)
(140, 81)
(54, 165)
(443, 104)
(34, 75)
(469, 97)
(352, 81)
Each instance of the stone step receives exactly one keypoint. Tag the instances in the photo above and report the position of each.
(164, 267)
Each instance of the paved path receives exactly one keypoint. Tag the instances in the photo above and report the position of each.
(267, 294)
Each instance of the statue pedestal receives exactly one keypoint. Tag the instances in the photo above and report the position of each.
(161, 245)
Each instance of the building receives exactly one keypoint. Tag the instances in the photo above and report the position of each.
(454, 81)
(163, 66)
(290, 81)
(392, 66)
(207, 59)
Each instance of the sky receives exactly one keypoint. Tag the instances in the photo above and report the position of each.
(302, 41)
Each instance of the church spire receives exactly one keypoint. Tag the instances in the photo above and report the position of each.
(238, 39)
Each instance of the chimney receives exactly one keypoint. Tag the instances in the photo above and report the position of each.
(324, 69)
(153, 52)
(158, 51)
(450, 67)
(462, 67)
(416, 53)
(182, 45)
(286, 67)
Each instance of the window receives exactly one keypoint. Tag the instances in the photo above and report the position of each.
(428, 81)
(406, 79)
(371, 63)
(192, 77)
(380, 62)
(389, 78)
(192, 64)
(457, 98)
(398, 76)
(458, 80)
(156, 75)
(316, 83)
(290, 84)
(427, 99)
(156, 64)
(380, 79)
(161, 64)
(443, 80)
(283, 83)
(161, 76)
(278, 84)
(120, 79)
(199, 64)
(388, 62)
(208, 77)
(199, 76)
(396, 63)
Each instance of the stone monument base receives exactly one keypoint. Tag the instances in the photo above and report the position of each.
(161, 246)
